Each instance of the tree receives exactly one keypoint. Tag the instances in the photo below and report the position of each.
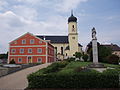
(103, 52)
(113, 59)
(77, 55)
(85, 57)
(4, 56)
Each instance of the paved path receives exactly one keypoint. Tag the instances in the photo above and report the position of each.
(18, 80)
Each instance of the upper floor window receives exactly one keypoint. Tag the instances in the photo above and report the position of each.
(24, 41)
(31, 41)
(29, 50)
(39, 50)
(19, 59)
(39, 60)
(13, 50)
(21, 50)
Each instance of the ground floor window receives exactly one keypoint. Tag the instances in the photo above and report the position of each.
(19, 59)
(39, 60)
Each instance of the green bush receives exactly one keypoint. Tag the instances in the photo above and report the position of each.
(71, 59)
(85, 57)
(90, 79)
(55, 67)
(113, 59)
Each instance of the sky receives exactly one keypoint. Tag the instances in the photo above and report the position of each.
(49, 17)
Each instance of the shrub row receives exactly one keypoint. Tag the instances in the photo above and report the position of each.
(75, 80)
(55, 67)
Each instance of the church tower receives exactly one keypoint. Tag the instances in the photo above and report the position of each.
(72, 34)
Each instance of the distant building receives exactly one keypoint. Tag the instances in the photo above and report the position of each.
(30, 49)
(115, 48)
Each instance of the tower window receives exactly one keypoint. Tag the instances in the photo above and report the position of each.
(72, 26)
(73, 37)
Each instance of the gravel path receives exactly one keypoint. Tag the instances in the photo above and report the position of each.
(18, 80)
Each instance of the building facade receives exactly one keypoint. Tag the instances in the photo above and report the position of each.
(66, 46)
(30, 49)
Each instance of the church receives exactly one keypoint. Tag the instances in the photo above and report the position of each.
(66, 46)
(30, 48)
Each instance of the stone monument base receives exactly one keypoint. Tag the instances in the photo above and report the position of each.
(96, 65)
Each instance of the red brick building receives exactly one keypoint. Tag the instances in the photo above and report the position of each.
(30, 49)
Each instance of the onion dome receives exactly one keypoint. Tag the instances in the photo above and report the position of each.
(72, 18)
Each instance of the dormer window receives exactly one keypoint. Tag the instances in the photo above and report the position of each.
(24, 41)
(31, 41)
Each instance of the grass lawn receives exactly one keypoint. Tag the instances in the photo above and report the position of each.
(71, 66)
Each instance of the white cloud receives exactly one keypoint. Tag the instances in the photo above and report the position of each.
(67, 5)
(13, 25)
(3, 4)
(29, 1)
(26, 12)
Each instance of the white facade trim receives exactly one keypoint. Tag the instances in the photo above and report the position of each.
(46, 52)
(8, 55)
(30, 46)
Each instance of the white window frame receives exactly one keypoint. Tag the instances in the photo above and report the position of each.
(38, 60)
(29, 50)
(13, 50)
(21, 50)
(39, 49)
(19, 60)
(23, 41)
(32, 41)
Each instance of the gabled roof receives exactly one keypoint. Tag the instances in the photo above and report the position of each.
(55, 39)
(114, 47)
(24, 35)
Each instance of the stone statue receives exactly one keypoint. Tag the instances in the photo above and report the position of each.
(94, 33)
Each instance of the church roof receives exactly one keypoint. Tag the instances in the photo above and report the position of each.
(55, 39)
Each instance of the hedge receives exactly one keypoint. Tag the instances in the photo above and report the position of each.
(74, 80)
